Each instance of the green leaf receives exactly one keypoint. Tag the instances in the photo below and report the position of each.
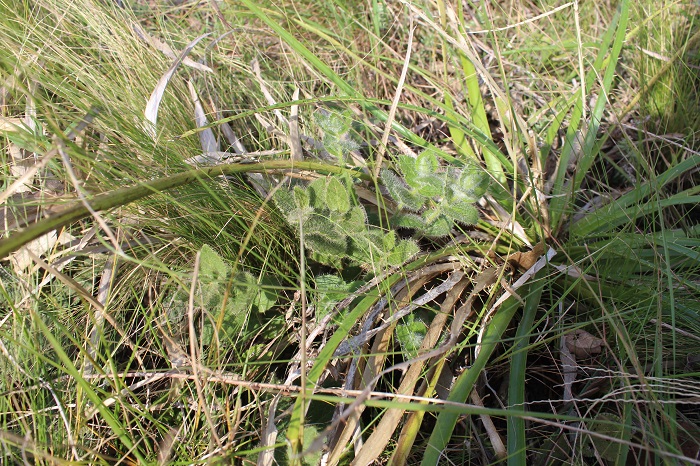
(467, 185)
(389, 241)
(317, 192)
(266, 297)
(611, 427)
(284, 200)
(407, 165)
(291, 203)
(329, 290)
(311, 432)
(243, 296)
(324, 236)
(403, 252)
(405, 198)
(462, 212)
(355, 220)
(410, 333)
(473, 180)
(211, 266)
(429, 186)
(337, 196)
(327, 244)
(412, 221)
(366, 247)
(441, 226)
(299, 215)
(301, 197)
(340, 146)
(426, 163)
(333, 122)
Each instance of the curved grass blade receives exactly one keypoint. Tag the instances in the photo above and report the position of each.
(76, 375)
(151, 112)
(617, 213)
(411, 428)
(562, 194)
(296, 423)
(464, 384)
(327, 71)
(517, 446)
(124, 196)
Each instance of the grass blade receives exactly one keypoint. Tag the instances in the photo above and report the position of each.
(517, 446)
(464, 384)
(124, 196)
(613, 39)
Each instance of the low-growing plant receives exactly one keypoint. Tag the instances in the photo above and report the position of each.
(281, 339)
(335, 228)
(336, 127)
(228, 304)
(430, 198)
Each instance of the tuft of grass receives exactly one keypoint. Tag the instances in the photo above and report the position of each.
(184, 278)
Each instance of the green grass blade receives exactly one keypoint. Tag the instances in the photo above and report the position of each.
(124, 196)
(328, 72)
(464, 384)
(294, 431)
(616, 213)
(623, 216)
(588, 155)
(517, 446)
(75, 374)
(562, 194)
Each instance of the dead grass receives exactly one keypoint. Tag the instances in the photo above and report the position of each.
(188, 326)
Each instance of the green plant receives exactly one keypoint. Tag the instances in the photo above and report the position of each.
(547, 108)
(431, 199)
(335, 226)
(336, 126)
(229, 304)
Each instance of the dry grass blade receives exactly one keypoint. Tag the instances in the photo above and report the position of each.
(151, 112)
(194, 354)
(84, 294)
(95, 333)
(22, 259)
(19, 160)
(266, 92)
(294, 139)
(394, 104)
(269, 437)
(166, 447)
(368, 367)
(358, 403)
(83, 198)
(207, 139)
(377, 442)
(496, 441)
(167, 51)
(18, 184)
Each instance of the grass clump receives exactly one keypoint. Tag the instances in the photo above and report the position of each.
(354, 233)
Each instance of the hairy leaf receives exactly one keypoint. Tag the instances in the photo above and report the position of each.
(463, 212)
(405, 198)
(337, 196)
(211, 266)
(403, 252)
(426, 163)
(430, 185)
(441, 226)
(412, 221)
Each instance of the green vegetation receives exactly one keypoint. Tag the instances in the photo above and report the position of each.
(349, 232)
